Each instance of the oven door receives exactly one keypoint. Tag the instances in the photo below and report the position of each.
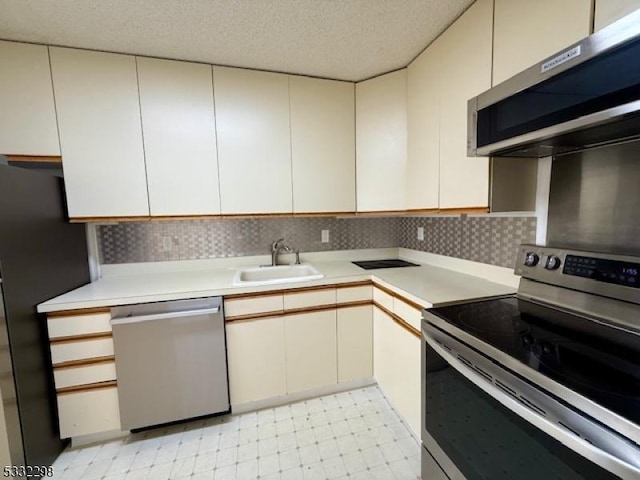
(481, 421)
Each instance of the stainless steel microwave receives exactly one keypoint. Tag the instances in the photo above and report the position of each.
(584, 96)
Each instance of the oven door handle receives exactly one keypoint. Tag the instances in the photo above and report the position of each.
(432, 336)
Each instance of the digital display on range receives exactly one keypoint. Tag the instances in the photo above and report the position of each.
(609, 271)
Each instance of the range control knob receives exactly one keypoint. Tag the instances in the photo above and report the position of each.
(531, 259)
(553, 262)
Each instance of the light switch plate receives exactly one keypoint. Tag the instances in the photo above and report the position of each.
(421, 234)
(325, 236)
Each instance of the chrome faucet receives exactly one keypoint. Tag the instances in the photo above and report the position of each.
(278, 247)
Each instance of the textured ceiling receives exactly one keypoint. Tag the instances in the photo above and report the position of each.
(342, 39)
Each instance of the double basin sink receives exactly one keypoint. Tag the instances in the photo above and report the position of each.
(255, 276)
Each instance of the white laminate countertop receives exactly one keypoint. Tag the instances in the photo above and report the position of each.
(426, 284)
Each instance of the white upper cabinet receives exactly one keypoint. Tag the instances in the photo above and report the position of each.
(527, 32)
(254, 141)
(178, 124)
(100, 133)
(381, 142)
(28, 120)
(423, 129)
(608, 11)
(322, 145)
(466, 72)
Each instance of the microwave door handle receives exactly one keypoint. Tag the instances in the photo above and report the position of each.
(164, 316)
(624, 469)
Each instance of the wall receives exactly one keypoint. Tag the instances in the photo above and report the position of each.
(194, 239)
(485, 239)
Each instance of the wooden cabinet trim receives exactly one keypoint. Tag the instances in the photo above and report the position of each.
(80, 338)
(254, 316)
(364, 283)
(398, 320)
(468, 210)
(360, 303)
(84, 362)
(87, 387)
(388, 291)
(33, 158)
(81, 311)
(313, 309)
(108, 219)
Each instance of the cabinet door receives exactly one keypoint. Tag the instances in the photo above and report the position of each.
(466, 72)
(100, 133)
(355, 343)
(423, 129)
(311, 350)
(254, 140)
(608, 11)
(527, 32)
(178, 122)
(256, 356)
(28, 122)
(322, 145)
(381, 142)
(396, 367)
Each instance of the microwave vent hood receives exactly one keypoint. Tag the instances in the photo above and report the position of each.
(585, 96)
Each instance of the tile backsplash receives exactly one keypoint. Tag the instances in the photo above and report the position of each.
(485, 239)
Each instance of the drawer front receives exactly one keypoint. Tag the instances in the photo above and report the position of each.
(82, 375)
(248, 306)
(310, 299)
(409, 314)
(78, 324)
(354, 294)
(87, 412)
(383, 298)
(68, 351)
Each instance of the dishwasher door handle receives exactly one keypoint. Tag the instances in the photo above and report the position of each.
(163, 316)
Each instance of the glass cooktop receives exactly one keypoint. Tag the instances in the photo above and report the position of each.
(598, 361)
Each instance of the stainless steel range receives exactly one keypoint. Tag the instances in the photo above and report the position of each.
(541, 384)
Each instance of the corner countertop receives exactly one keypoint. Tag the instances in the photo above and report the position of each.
(426, 284)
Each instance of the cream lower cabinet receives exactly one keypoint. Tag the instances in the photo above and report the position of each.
(396, 367)
(311, 347)
(608, 11)
(256, 357)
(84, 373)
(355, 342)
(28, 123)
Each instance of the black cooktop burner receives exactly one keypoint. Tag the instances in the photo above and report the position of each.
(598, 361)
(388, 263)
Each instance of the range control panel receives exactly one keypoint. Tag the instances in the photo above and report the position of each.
(587, 271)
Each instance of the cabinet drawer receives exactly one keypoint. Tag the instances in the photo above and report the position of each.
(354, 294)
(383, 298)
(68, 326)
(84, 374)
(87, 412)
(248, 306)
(310, 299)
(65, 352)
(409, 314)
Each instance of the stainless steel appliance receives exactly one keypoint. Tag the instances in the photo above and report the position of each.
(171, 361)
(544, 383)
(41, 256)
(588, 94)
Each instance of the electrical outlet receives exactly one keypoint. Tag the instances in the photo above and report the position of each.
(167, 244)
(325, 236)
(421, 234)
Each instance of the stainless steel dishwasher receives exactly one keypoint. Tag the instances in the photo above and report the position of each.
(171, 361)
